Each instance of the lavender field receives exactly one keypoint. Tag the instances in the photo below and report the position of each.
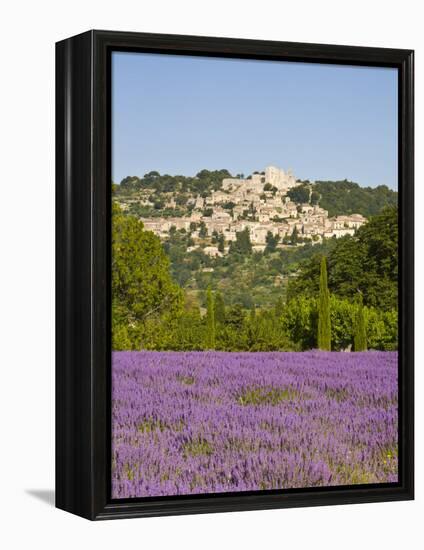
(202, 422)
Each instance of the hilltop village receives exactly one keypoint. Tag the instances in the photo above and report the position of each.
(261, 204)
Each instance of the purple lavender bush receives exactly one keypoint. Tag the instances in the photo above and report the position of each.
(210, 422)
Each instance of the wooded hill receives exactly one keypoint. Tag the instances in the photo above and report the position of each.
(345, 197)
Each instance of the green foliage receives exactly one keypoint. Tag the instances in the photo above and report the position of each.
(346, 197)
(242, 244)
(256, 278)
(360, 336)
(221, 243)
(279, 307)
(203, 183)
(366, 262)
(315, 197)
(235, 317)
(264, 332)
(341, 319)
(120, 337)
(203, 232)
(294, 239)
(300, 322)
(219, 309)
(382, 329)
(210, 320)
(144, 211)
(324, 320)
(271, 242)
(299, 194)
(141, 282)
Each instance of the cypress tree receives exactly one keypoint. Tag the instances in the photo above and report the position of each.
(252, 315)
(360, 335)
(210, 320)
(221, 243)
(324, 323)
(279, 307)
(294, 236)
(219, 309)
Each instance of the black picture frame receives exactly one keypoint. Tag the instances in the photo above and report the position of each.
(83, 149)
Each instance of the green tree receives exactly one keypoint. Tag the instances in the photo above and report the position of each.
(152, 174)
(221, 243)
(341, 316)
(219, 308)
(347, 197)
(235, 317)
(360, 335)
(203, 232)
(242, 245)
(142, 286)
(120, 338)
(210, 320)
(294, 239)
(299, 194)
(315, 196)
(299, 321)
(324, 322)
(271, 242)
(279, 307)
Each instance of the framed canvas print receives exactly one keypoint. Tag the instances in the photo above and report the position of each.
(234, 274)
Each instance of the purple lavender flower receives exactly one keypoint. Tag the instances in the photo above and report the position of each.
(202, 422)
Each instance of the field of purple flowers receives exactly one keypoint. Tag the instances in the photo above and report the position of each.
(202, 422)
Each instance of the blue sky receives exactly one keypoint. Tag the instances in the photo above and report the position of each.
(180, 114)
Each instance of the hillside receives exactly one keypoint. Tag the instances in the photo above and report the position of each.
(346, 197)
(246, 236)
(249, 279)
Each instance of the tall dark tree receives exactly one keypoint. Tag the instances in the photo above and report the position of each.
(203, 232)
(219, 308)
(234, 317)
(221, 243)
(324, 323)
(279, 307)
(271, 242)
(242, 244)
(360, 335)
(294, 236)
(210, 320)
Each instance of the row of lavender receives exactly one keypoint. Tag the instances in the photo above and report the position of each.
(204, 422)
